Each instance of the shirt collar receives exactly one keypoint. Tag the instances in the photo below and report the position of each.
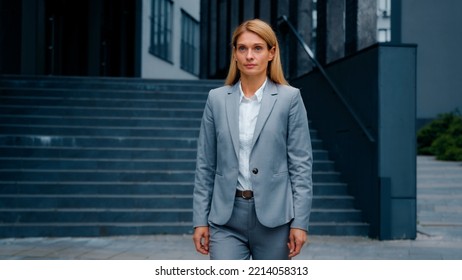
(258, 93)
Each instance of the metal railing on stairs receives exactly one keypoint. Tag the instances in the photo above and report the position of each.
(284, 20)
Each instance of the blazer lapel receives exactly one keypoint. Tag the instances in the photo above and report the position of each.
(267, 103)
(232, 113)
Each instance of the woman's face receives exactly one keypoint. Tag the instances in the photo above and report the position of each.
(252, 54)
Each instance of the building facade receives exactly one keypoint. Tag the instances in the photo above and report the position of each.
(156, 39)
(170, 39)
(70, 38)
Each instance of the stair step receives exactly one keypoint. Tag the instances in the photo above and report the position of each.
(336, 215)
(37, 175)
(95, 188)
(138, 215)
(135, 201)
(105, 103)
(116, 132)
(108, 152)
(116, 175)
(101, 111)
(110, 164)
(107, 83)
(98, 141)
(85, 121)
(114, 229)
(98, 164)
(90, 215)
(80, 229)
(130, 188)
(127, 153)
(95, 201)
(24, 133)
(339, 229)
(37, 93)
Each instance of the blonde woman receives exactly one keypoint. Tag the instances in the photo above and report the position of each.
(253, 186)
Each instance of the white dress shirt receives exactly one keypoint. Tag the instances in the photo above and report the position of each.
(248, 114)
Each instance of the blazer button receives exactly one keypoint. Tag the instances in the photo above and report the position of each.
(255, 171)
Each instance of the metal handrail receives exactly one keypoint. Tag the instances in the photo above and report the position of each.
(326, 76)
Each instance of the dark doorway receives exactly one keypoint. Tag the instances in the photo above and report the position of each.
(66, 37)
(90, 37)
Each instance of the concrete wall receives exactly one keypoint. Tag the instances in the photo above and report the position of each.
(154, 67)
(436, 27)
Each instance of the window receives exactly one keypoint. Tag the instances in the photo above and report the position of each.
(189, 44)
(383, 21)
(161, 29)
(383, 35)
(384, 8)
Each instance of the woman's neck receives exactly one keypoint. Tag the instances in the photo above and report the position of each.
(250, 85)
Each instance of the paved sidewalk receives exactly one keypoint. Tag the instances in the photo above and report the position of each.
(439, 211)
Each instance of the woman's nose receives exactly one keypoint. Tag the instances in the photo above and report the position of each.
(249, 54)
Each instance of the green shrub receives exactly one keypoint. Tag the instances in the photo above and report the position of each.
(442, 137)
(452, 153)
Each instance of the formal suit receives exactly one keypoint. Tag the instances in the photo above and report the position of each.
(280, 159)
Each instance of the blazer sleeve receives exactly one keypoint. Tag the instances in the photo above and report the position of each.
(300, 161)
(205, 167)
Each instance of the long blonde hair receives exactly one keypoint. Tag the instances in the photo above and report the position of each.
(264, 31)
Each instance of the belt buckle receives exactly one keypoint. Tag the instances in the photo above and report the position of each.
(244, 194)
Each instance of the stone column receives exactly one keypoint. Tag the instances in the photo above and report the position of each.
(360, 24)
(351, 26)
(234, 18)
(321, 31)
(335, 30)
(223, 38)
(304, 26)
(283, 7)
(249, 9)
(367, 23)
(264, 12)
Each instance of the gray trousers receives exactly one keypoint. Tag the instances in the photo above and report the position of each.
(244, 237)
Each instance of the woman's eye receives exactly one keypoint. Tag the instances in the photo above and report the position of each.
(242, 49)
(258, 48)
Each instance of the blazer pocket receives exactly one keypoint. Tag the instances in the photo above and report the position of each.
(283, 173)
(218, 180)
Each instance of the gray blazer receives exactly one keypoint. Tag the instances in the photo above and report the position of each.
(281, 155)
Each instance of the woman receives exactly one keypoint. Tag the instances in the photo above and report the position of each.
(253, 187)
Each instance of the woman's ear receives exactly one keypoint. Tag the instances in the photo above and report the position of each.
(272, 52)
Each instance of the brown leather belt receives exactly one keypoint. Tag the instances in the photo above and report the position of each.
(244, 194)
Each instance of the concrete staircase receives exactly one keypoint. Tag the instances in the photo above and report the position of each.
(115, 156)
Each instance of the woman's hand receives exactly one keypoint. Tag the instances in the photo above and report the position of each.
(297, 238)
(201, 239)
